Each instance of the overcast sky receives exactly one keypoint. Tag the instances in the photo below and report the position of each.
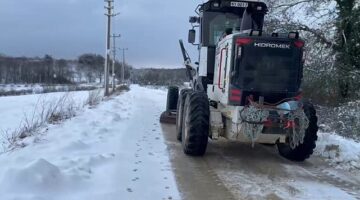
(68, 28)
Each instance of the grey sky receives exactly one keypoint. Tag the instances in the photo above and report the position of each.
(68, 28)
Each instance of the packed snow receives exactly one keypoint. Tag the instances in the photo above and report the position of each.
(114, 151)
(313, 190)
(260, 186)
(341, 152)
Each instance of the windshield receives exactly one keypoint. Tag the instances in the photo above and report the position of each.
(216, 25)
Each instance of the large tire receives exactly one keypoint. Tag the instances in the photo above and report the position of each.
(305, 150)
(195, 124)
(180, 111)
(172, 98)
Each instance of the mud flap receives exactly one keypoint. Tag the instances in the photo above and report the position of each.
(216, 124)
(168, 117)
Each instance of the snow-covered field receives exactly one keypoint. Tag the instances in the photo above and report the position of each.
(114, 151)
(36, 88)
(23, 89)
(14, 108)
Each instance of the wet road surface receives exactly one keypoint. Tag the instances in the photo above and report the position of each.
(234, 170)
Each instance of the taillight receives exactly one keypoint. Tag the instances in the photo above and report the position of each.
(299, 96)
(235, 95)
(243, 41)
(299, 43)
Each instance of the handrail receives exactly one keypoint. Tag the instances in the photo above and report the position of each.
(220, 68)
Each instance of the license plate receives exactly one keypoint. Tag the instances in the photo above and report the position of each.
(239, 4)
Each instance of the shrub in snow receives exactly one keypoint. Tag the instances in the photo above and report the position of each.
(344, 119)
(94, 98)
(45, 112)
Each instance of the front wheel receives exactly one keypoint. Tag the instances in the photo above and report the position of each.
(195, 124)
(306, 149)
(180, 112)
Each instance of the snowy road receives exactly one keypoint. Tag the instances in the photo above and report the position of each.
(232, 170)
(118, 150)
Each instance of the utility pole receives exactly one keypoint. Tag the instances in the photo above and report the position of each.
(123, 65)
(109, 15)
(114, 60)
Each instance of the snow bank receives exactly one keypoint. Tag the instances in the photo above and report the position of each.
(37, 175)
(339, 151)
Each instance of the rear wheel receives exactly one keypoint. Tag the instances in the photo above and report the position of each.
(180, 111)
(195, 124)
(305, 150)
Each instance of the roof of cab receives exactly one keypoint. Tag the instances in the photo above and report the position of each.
(238, 5)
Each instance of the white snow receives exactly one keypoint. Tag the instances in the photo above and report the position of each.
(40, 88)
(15, 108)
(115, 151)
(339, 151)
(36, 88)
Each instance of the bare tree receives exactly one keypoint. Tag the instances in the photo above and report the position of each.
(332, 29)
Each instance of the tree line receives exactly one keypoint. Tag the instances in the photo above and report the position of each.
(159, 77)
(87, 68)
(331, 29)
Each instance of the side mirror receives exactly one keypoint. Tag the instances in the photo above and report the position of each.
(194, 19)
(191, 36)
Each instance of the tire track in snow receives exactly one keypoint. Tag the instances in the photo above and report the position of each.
(351, 187)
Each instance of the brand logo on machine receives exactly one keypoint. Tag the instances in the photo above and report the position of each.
(272, 45)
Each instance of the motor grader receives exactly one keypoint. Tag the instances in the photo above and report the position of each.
(245, 85)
